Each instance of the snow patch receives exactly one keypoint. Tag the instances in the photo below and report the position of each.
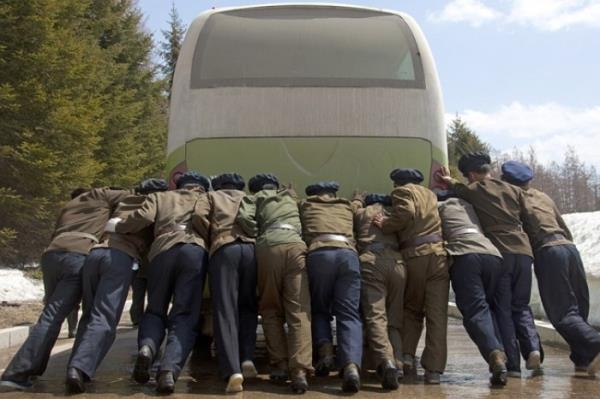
(16, 287)
(585, 228)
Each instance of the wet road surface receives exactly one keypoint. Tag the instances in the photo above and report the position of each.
(466, 377)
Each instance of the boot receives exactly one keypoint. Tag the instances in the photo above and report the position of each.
(409, 366)
(497, 362)
(165, 382)
(326, 362)
(299, 384)
(388, 374)
(351, 381)
(74, 381)
(141, 370)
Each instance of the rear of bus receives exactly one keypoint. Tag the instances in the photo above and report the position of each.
(308, 92)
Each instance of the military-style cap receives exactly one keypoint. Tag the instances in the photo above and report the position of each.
(404, 176)
(473, 161)
(192, 177)
(232, 179)
(322, 187)
(152, 185)
(383, 199)
(516, 173)
(256, 183)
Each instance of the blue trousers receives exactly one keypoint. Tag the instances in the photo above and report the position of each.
(513, 314)
(334, 282)
(232, 272)
(474, 281)
(106, 278)
(62, 285)
(565, 296)
(175, 275)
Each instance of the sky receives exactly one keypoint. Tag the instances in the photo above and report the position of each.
(521, 73)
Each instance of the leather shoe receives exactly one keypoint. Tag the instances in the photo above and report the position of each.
(141, 370)
(165, 382)
(497, 362)
(299, 384)
(351, 381)
(74, 381)
(388, 373)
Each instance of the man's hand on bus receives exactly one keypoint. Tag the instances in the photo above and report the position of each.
(378, 220)
(444, 175)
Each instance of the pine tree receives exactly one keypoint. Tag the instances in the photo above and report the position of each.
(170, 47)
(462, 140)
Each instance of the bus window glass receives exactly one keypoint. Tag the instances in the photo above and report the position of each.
(306, 46)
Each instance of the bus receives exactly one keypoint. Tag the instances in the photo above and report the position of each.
(308, 92)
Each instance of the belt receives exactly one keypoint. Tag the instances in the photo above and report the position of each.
(551, 237)
(426, 239)
(283, 226)
(332, 237)
(380, 246)
(460, 232)
(78, 234)
(503, 227)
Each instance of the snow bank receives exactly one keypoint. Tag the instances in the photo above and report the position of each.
(14, 286)
(585, 228)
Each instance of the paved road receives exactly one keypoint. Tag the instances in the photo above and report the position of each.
(465, 377)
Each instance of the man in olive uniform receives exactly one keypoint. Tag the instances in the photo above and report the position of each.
(78, 228)
(382, 293)
(475, 271)
(499, 207)
(106, 276)
(232, 274)
(334, 280)
(559, 271)
(417, 225)
(176, 276)
(271, 214)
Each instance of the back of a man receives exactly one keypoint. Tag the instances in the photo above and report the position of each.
(559, 270)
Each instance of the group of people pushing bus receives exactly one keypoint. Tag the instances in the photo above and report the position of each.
(378, 263)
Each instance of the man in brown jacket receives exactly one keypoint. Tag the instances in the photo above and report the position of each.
(176, 276)
(559, 270)
(232, 274)
(417, 225)
(106, 276)
(383, 276)
(499, 207)
(79, 226)
(334, 280)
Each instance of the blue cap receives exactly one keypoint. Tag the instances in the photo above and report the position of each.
(382, 199)
(322, 187)
(256, 183)
(473, 161)
(152, 185)
(231, 179)
(404, 176)
(516, 173)
(192, 177)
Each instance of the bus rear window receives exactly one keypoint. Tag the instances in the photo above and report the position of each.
(306, 46)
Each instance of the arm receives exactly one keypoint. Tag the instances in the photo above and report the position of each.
(139, 219)
(246, 217)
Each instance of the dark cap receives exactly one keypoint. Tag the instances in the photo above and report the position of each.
(152, 185)
(322, 187)
(256, 183)
(382, 199)
(228, 179)
(516, 173)
(473, 161)
(192, 177)
(404, 176)
(443, 195)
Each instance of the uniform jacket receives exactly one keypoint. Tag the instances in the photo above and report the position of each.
(542, 220)
(171, 213)
(461, 229)
(260, 212)
(414, 214)
(499, 206)
(81, 222)
(371, 241)
(322, 214)
(135, 245)
(215, 218)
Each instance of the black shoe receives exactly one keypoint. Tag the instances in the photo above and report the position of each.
(388, 373)
(497, 362)
(8, 384)
(74, 381)
(165, 382)
(326, 362)
(299, 384)
(351, 381)
(141, 370)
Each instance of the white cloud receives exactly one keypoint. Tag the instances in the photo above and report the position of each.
(473, 12)
(546, 15)
(548, 128)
